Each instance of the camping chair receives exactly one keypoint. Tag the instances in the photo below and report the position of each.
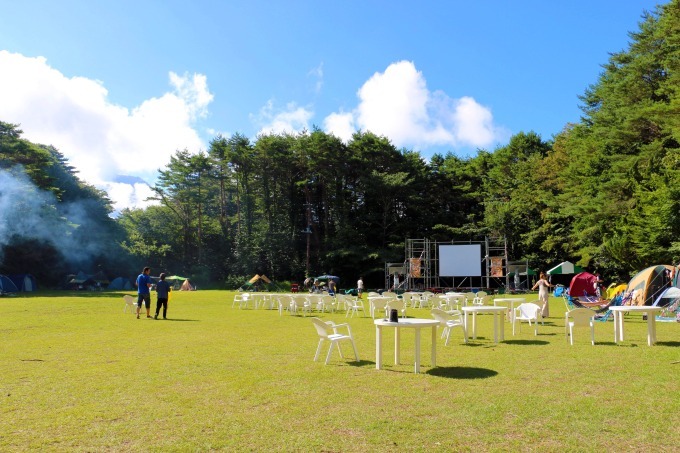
(527, 311)
(449, 320)
(579, 317)
(559, 290)
(130, 303)
(329, 331)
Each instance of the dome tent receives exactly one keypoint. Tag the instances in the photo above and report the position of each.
(24, 282)
(7, 286)
(649, 283)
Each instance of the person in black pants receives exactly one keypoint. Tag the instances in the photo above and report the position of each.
(162, 293)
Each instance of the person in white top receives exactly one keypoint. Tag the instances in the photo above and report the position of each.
(360, 286)
(542, 284)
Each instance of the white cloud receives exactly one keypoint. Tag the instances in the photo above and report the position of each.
(291, 120)
(398, 105)
(317, 73)
(340, 124)
(99, 138)
(128, 195)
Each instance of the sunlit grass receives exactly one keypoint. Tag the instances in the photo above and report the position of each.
(78, 373)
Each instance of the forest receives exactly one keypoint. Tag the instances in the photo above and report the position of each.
(604, 192)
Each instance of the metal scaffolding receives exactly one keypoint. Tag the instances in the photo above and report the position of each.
(420, 268)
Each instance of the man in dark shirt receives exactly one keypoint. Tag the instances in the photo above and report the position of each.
(163, 294)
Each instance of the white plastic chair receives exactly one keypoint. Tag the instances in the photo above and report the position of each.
(579, 317)
(449, 320)
(396, 304)
(130, 303)
(378, 304)
(241, 299)
(353, 306)
(329, 331)
(285, 303)
(479, 298)
(301, 303)
(527, 312)
(469, 298)
(327, 302)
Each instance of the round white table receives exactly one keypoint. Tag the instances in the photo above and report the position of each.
(474, 309)
(411, 323)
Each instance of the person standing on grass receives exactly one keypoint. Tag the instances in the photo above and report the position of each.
(163, 294)
(543, 285)
(360, 287)
(143, 285)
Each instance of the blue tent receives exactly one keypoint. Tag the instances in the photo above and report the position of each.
(120, 283)
(24, 282)
(7, 286)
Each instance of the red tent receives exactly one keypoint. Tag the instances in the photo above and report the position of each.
(582, 284)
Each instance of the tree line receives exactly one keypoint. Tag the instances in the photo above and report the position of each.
(603, 192)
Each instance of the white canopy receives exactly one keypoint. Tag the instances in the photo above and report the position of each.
(565, 268)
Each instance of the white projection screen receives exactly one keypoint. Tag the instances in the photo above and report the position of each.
(460, 260)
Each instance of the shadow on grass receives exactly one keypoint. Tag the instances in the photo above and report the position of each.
(527, 342)
(361, 363)
(668, 343)
(178, 320)
(460, 372)
(56, 294)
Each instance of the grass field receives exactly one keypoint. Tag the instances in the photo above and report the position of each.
(78, 374)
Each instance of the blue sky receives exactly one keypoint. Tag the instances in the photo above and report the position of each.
(115, 82)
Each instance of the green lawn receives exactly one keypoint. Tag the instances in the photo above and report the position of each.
(76, 373)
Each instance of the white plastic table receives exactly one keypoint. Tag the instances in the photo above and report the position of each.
(474, 309)
(511, 305)
(414, 323)
(651, 320)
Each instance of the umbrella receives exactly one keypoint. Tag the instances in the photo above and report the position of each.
(328, 277)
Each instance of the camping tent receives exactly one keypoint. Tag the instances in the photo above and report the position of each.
(670, 299)
(615, 289)
(120, 283)
(257, 283)
(6, 285)
(24, 282)
(582, 284)
(671, 295)
(565, 267)
(186, 286)
(649, 283)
